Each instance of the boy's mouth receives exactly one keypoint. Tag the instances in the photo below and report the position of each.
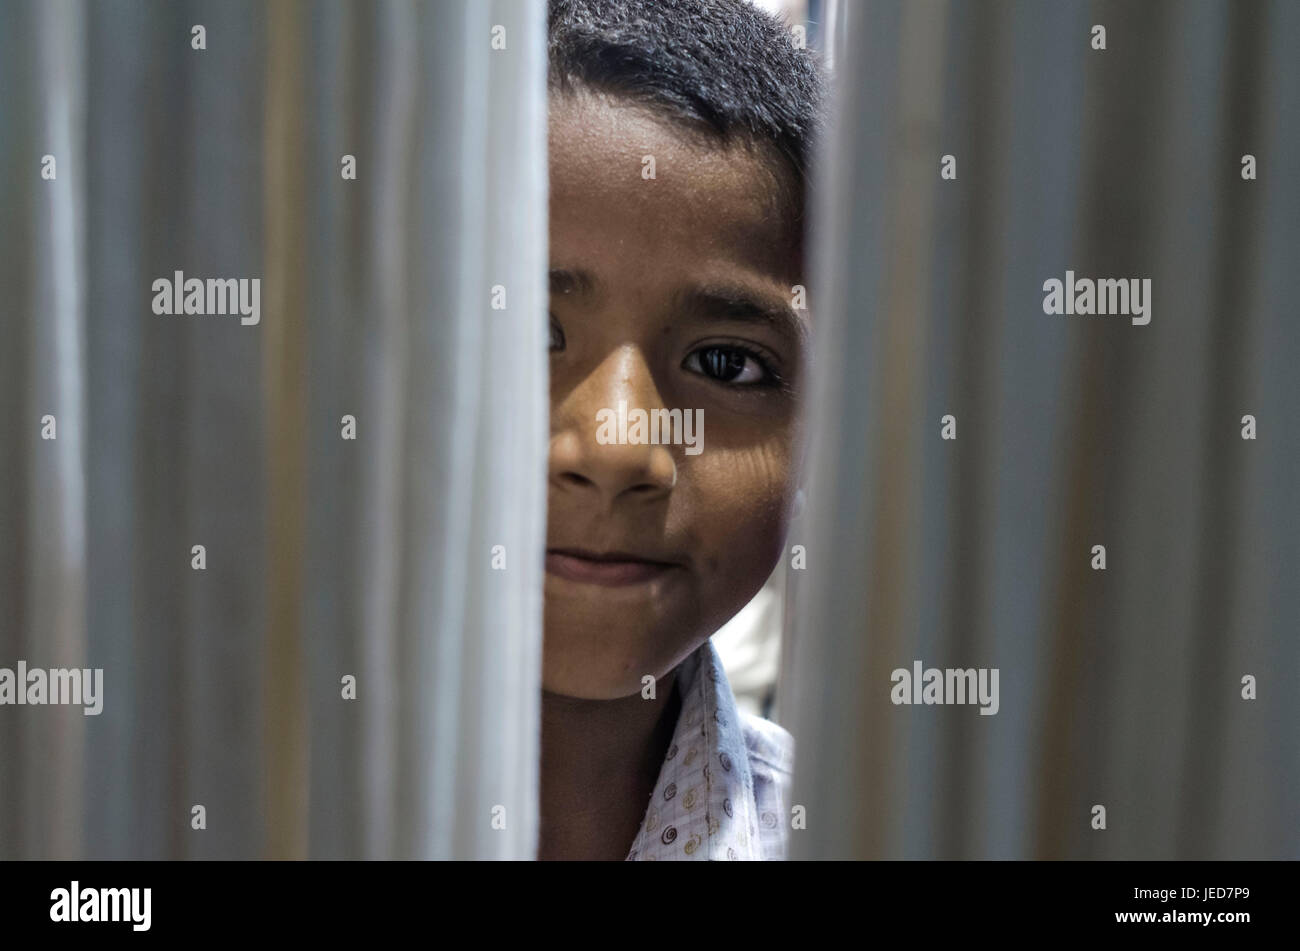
(612, 569)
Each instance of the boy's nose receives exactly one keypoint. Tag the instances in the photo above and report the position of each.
(611, 469)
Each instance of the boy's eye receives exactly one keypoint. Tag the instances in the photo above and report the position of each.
(733, 365)
(557, 335)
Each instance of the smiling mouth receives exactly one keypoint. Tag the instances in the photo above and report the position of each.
(611, 569)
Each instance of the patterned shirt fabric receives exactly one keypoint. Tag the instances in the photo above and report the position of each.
(722, 790)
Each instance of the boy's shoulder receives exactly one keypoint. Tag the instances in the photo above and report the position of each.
(768, 743)
(725, 780)
(771, 760)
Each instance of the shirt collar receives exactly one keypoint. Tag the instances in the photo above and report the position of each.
(703, 806)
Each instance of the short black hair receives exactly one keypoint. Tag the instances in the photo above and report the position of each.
(721, 65)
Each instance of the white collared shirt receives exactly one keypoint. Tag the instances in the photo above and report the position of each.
(722, 790)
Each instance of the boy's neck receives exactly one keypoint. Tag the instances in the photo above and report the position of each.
(600, 762)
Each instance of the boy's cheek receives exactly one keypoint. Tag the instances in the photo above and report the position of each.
(740, 489)
(742, 550)
(739, 521)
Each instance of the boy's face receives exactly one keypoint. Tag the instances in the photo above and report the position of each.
(671, 292)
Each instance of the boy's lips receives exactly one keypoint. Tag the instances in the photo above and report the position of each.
(612, 569)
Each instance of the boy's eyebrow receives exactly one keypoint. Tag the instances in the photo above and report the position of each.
(718, 301)
(569, 281)
(739, 303)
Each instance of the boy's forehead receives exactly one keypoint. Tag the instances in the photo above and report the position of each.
(620, 172)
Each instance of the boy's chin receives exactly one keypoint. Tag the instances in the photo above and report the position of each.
(587, 688)
(595, 685)
(606, 663)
